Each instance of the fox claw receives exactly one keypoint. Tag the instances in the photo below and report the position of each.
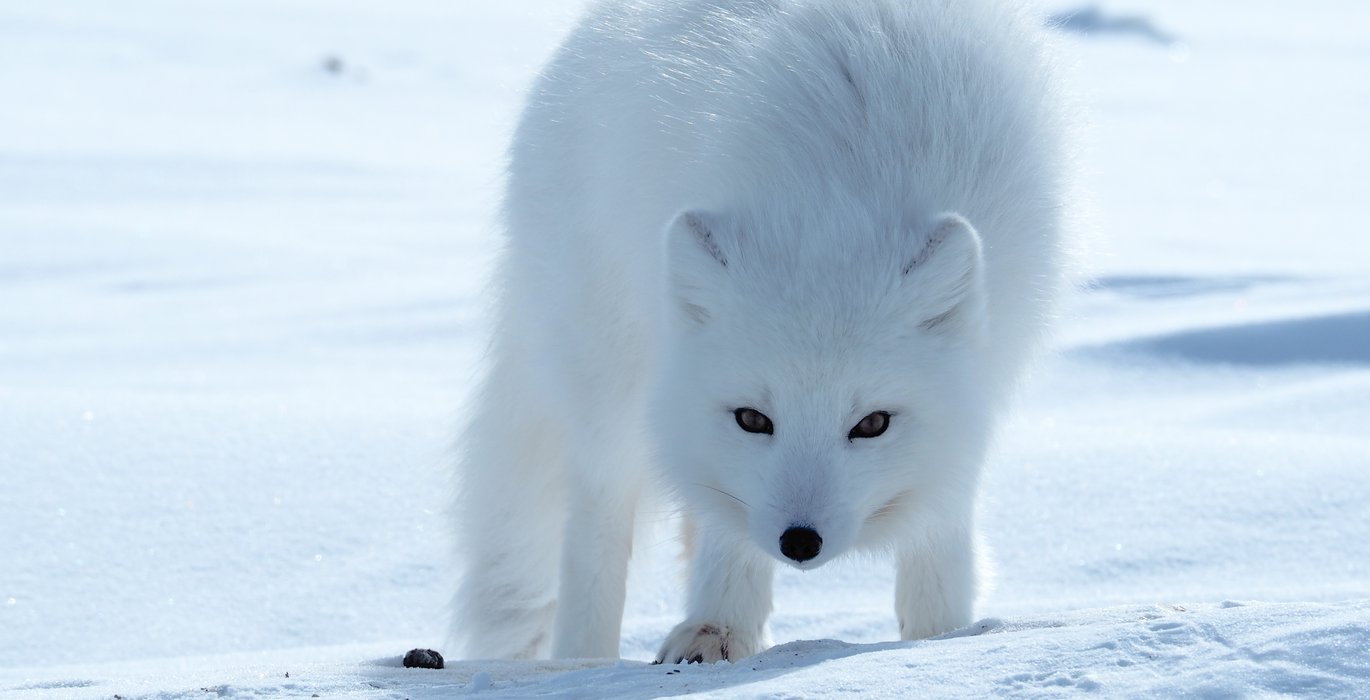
(705, 642)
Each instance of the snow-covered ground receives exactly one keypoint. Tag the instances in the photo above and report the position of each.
(242, 246)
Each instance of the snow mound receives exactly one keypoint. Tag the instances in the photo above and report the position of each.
(1228, 649)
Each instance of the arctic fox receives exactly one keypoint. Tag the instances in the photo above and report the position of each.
(783, 259)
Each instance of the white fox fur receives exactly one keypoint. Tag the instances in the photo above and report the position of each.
(819, 210)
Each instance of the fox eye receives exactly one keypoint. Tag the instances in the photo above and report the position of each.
(873, 425)
(753, 421)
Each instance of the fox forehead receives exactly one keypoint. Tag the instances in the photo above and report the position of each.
(829, 341)
(826, 380)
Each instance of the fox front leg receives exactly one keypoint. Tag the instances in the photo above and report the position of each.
(729, 603)
(935, 585)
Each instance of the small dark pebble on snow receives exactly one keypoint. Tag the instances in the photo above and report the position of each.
(422, 658)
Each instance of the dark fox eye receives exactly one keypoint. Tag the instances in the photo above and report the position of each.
(753, 421)
(871, 426)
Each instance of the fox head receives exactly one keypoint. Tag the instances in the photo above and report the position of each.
(818, 381)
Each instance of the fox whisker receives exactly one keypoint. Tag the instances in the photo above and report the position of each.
(725, 493)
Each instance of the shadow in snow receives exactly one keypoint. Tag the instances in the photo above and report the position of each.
(1336, 339)
(632, 679)
(1168, 286)
(1093, 21)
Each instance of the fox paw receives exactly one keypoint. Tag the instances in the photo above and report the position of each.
(706, 642)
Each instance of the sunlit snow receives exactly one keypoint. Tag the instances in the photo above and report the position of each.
(242, 250)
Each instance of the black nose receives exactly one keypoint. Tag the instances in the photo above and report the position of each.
(800, 543)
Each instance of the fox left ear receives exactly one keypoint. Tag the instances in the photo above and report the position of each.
(945, 275)
(696, 262)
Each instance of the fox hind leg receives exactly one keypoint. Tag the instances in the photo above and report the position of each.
(510, 511)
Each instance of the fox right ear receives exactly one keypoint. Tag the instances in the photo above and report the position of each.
(945, 274)
(694, 261)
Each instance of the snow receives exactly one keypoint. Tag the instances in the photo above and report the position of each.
(242, 248)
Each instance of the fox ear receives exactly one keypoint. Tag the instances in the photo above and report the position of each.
(944, 275)
(695, 262)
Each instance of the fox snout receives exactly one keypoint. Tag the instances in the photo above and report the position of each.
(800, 543)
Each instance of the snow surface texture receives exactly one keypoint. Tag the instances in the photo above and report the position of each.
(241, 255)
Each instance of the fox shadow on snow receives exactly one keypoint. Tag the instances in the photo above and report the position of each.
(621, 679)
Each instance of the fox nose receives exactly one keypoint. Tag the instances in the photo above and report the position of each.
(800, 543)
